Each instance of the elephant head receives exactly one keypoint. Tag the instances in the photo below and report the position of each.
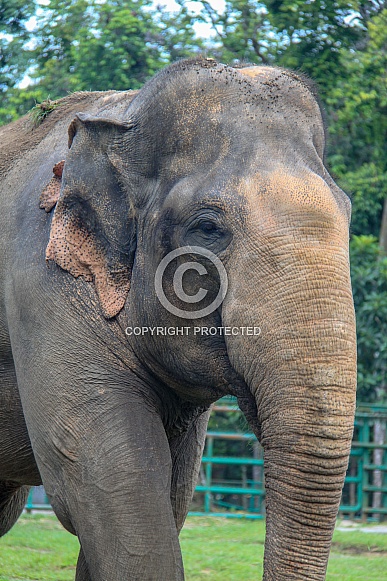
(230, 162)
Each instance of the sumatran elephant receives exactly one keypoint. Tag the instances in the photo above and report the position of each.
(191, 245)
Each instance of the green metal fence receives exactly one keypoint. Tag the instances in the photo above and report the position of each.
(365, 490)
(225, 495)
(231, 480)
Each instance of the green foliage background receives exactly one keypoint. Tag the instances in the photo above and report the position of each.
(72, 45)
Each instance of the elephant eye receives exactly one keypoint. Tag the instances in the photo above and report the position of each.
(207, 226)
(208, 230)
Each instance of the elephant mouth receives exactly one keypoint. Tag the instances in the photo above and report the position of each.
(246, 401)
(249, 408)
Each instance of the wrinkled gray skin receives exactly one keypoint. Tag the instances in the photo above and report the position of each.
(203, 155)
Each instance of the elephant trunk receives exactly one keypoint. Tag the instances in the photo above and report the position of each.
(301, 370)
(306, 435)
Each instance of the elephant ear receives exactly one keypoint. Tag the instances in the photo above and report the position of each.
(93, 231)
(51, 192)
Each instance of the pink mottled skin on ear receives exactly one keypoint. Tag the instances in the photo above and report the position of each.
(75, 249)
(58, 168)
(50, 194)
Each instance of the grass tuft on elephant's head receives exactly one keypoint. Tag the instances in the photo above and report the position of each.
(42, 110)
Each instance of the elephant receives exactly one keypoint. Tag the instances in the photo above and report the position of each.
(161, 249)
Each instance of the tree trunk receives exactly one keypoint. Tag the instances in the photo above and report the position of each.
(383, 229)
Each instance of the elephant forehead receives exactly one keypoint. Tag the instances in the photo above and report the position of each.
(197, 116)
(185, 92)
(282, 195)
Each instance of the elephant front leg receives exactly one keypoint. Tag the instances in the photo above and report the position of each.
(113, 485)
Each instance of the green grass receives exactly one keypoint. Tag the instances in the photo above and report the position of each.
(38, 548)
(220, 549)
(214, 549)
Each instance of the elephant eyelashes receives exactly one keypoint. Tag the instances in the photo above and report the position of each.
(207, 227)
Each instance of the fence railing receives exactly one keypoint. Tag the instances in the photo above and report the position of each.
(243, 495)
(232, 478)
(365, 490)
